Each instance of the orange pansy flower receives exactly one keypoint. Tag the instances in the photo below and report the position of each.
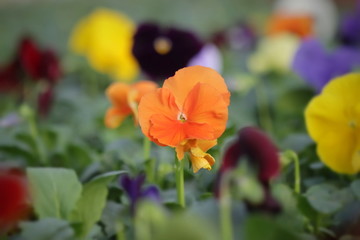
(125, 99)
(300, 25)
(188, 113)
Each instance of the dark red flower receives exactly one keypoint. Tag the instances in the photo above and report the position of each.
(38, 64)
(259, 150)
(9, 78)
(45, 100)
(14, 200)
(253, 145)
(162, 51)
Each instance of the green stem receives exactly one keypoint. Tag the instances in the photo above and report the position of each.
(149, 160)
(179, 173)
(263, 107)
(225, 209)
(297, 183)
(120, 231)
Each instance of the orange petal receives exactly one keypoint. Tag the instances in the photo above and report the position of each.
(205, 145)
(114, 117)
(143, 87)
(301, 25)
(186, 78)
(117, 94)
(200, 159)
(161, 102)
(205, 104)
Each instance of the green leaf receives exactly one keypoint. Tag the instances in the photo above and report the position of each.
(47, 229)
(323, 198)
(262, 227)
(55, 191)
(355, 187)
(92, 202)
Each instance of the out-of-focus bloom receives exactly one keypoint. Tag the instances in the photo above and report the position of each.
(9, 120)
(135, 190)
(209, 56)
(105, 38)
(332, 120)
(162, 51)
(189, 113)
(125, 99)
(274, 54)
(15, 198)
(254, 146)
(349, 33)
(9, 78)
(301, 26)
(323, 12)
(317, 66)
(239, 37)
(38, 64)
(45, 101)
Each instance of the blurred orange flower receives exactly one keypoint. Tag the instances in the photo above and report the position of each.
(125, 99)
(299, 25)
(188, 113)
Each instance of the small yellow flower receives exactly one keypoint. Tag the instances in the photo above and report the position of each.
(274, 53)
(333, 121)
(105, 37)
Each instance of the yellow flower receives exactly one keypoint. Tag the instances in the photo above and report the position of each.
(105, 37)
(274, 53)
(333, 121)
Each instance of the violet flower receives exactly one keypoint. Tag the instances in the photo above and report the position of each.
(135, 190)
(162, 51)
(317, 67)
(349, 32)
(253, 145)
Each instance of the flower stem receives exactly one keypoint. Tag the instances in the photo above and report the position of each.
(225, 209)
(150, 162)
(297, 182)
(263, 107)
(179, 174)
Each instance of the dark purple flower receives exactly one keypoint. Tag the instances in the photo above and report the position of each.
(315, 65)
(135, 191)
(9, 78)
(45, 100)
(162, 51)
(253, 145)
(349, 32)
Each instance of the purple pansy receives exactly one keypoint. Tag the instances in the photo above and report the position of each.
(349, 32)
(253, 145)
(135, 190)
(317, 66)
(161, 51)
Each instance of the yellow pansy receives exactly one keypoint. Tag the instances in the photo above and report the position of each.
(105, 37)
(333, 121)
(274, 53)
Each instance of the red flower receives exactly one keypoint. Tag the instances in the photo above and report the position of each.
(9, 78)
(14, 200)
(38, 64)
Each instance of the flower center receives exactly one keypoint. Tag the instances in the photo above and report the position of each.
(352, 124)
(162, 45)
(182, 117)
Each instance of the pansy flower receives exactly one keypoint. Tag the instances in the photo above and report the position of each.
(125, 99)
(254, 146)
(332, 120)
(318, 66)
(349, 32)
(299, 25)
(105, 38)
(15, 198)
(322, 12)
(135, 190)
(161, 51)
(209, 56)
(274, 54)
(188, 113)
(10, 78)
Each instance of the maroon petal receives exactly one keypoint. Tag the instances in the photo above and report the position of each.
(45, 101)
(49, 67)
(30, 56)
